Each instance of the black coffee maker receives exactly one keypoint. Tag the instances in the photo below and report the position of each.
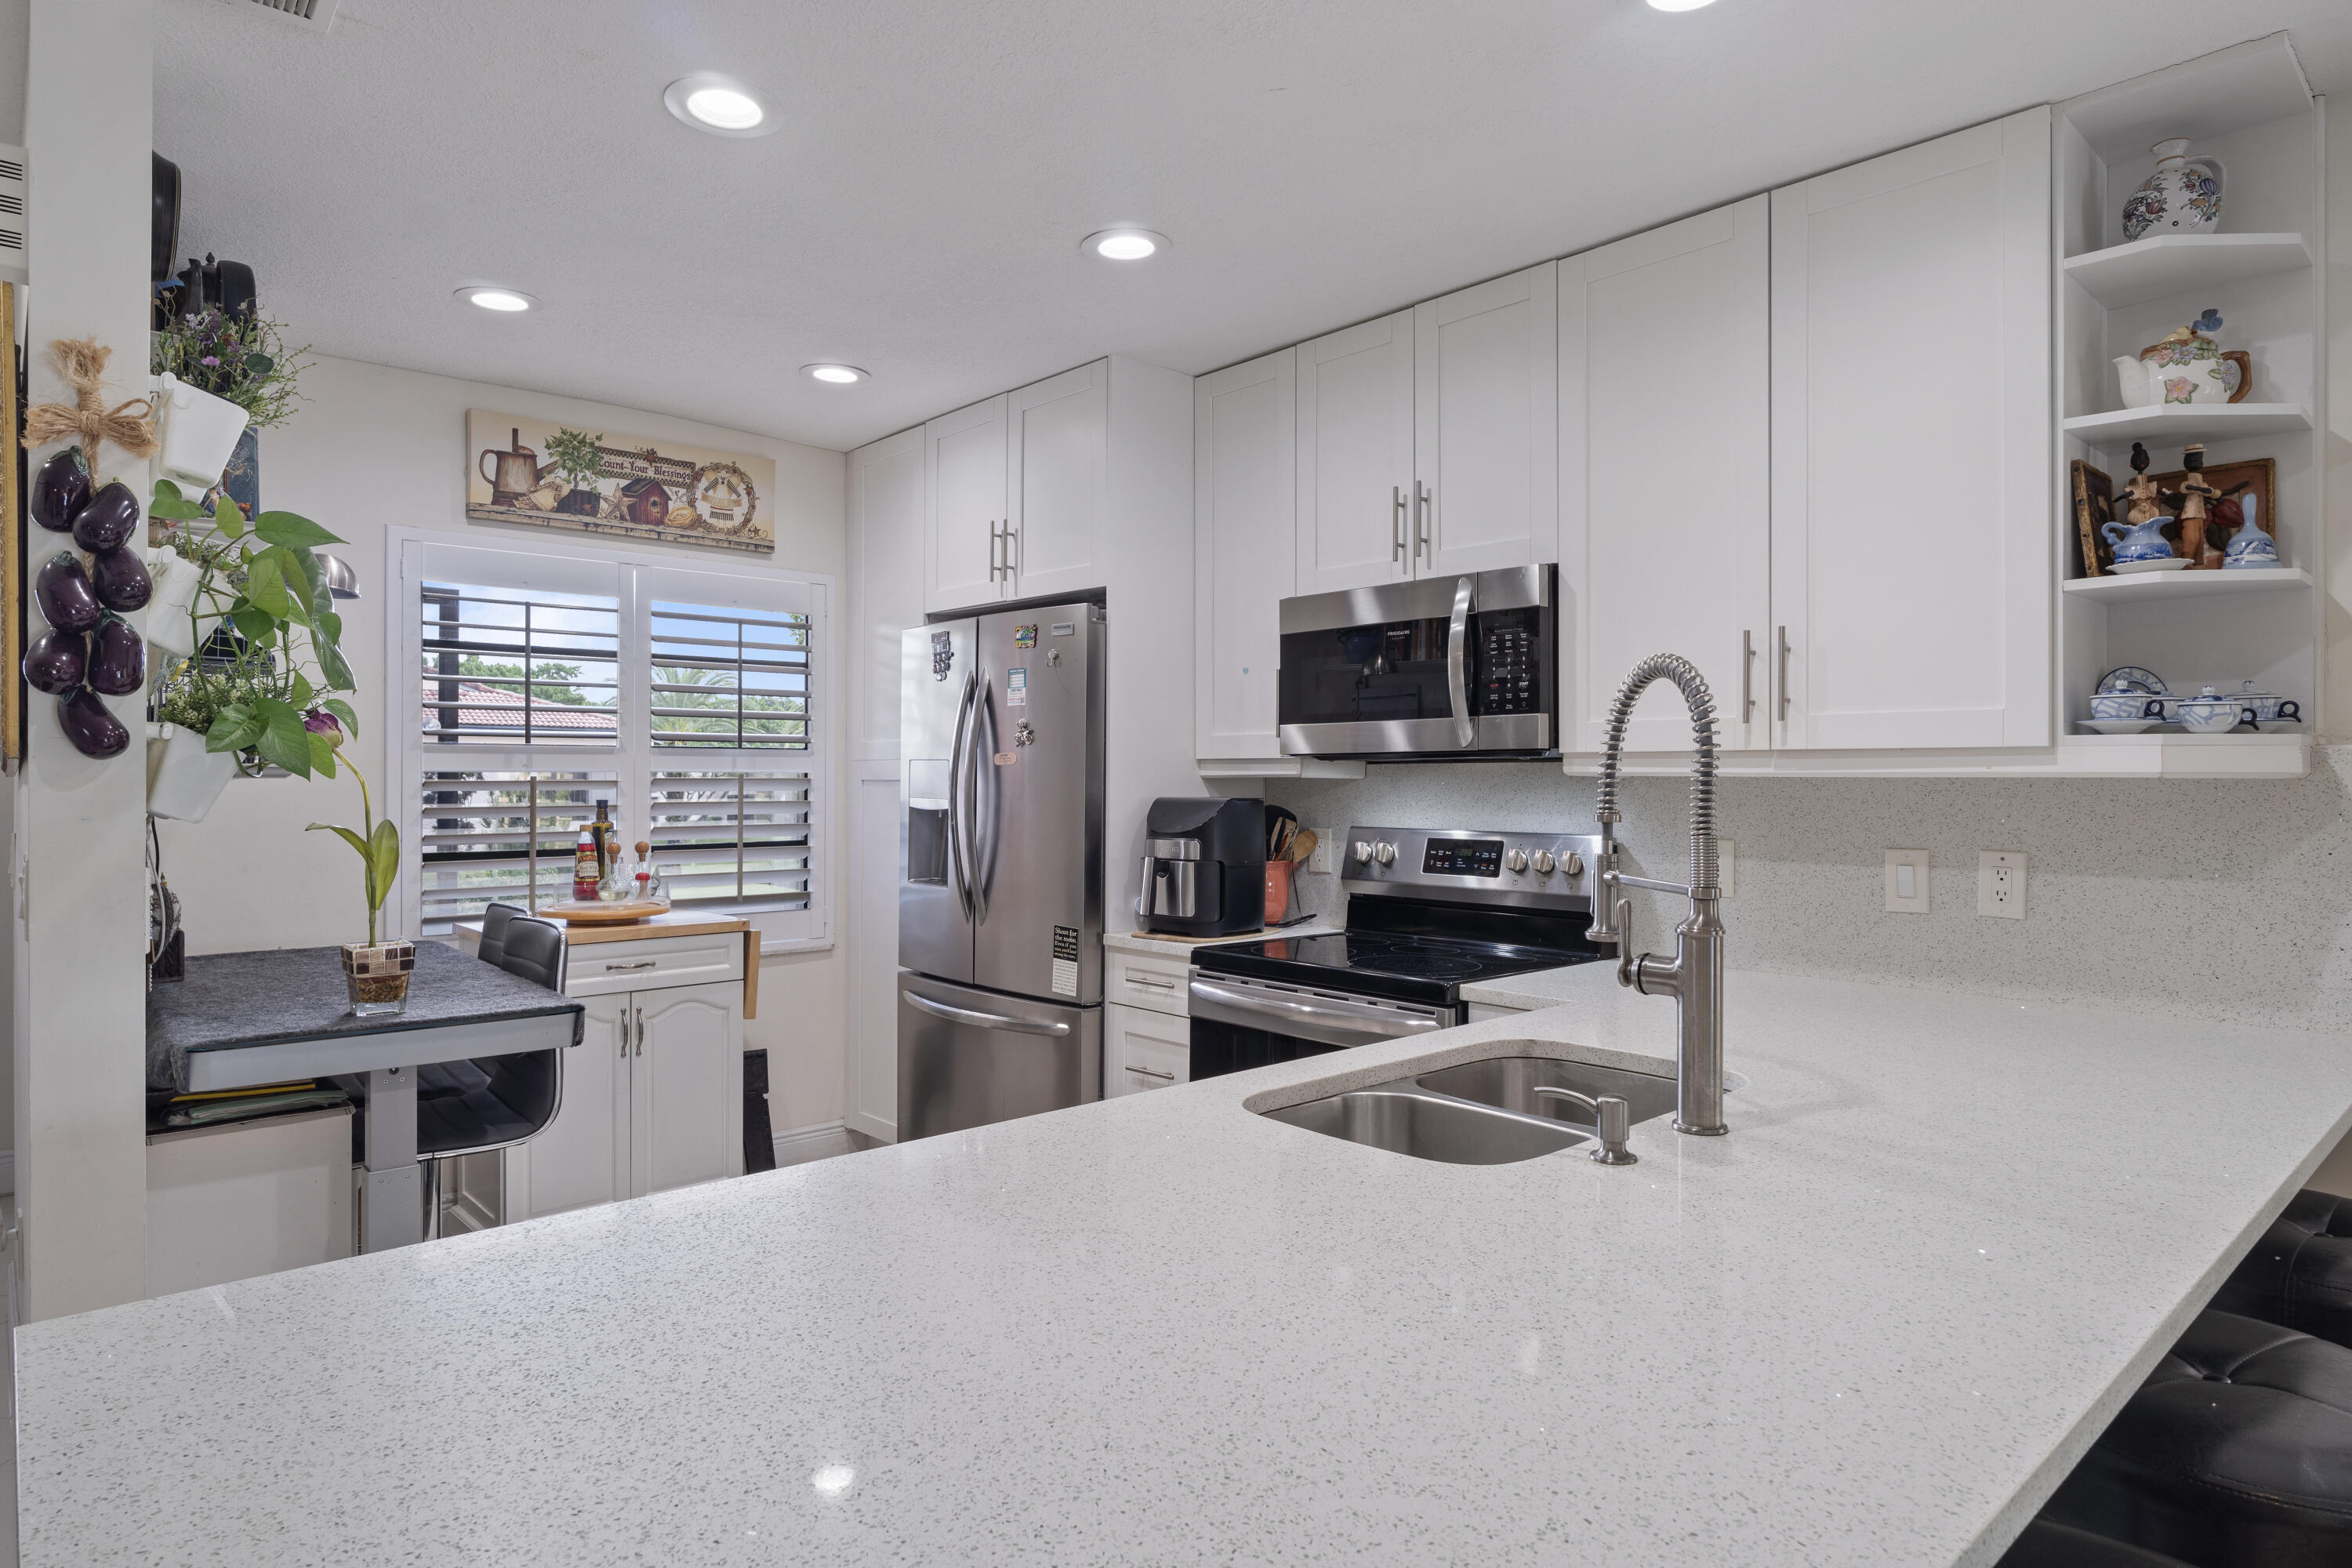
(1205, 874)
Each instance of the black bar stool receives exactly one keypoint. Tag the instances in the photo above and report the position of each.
(2049, 1544)
(2299, 1276)
(494, 931)
(2235, 1453)
(492, 1102)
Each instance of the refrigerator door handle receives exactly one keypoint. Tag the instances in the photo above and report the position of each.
(957, 832)
(983, 746)
(984, 1020)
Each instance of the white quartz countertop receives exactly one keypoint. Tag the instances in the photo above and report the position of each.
(1548, 988)
(1144, 941)
(1874, 1325)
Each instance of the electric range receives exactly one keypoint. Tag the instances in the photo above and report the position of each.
(1429, 911)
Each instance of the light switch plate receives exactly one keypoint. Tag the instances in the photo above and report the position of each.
(1906, 881)
(2000, 884)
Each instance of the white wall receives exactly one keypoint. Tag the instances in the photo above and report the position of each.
(372, 447)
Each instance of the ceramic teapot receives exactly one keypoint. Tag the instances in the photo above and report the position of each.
(2190, 367)
(2183, 196)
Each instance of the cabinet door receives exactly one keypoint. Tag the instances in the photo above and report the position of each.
(1057, 477)
(686, 1086)
(886, 588)
(581, 1157)
(1355, 457)
(1143, 1051)
(1665, 417)
(1486, 424)
(1913, 542)
(963, 467)
(1244, 561)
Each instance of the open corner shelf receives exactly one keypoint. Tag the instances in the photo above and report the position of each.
(2144, 586)
(2176, 423)
(2281, 754)
(2168, 264)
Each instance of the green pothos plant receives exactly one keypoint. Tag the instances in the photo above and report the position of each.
(267, 662)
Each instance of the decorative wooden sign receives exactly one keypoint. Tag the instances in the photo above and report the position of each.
(545, 475)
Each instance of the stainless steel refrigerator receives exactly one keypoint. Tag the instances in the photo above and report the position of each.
(1000, 870)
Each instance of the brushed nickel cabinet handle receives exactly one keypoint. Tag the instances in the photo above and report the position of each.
(640, 963)
(1155, 984)
(1396, 522)
(1420, 521)
(1147, 1072)
(1747, 676)
(1783, 633)
(641, 1031)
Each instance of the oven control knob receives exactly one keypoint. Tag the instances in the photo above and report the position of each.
(1543, 862)
(1363, 851)
(1384, 852)
(1517, 861)
(1571, 865)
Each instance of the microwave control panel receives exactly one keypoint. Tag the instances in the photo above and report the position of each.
(1509, 677)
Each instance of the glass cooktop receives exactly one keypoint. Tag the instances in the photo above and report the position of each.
(1411, 968)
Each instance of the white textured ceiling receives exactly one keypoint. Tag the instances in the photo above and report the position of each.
(1315, 161)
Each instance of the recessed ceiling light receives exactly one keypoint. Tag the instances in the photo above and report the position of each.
(506, 302)
(838, 374)
(720, 105)
(1678, 4)
(1124, 244)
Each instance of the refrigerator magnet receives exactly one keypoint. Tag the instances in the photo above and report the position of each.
(1016, 687)
(1025, 636)
(1004, 759)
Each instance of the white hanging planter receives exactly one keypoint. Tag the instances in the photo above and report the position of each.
(166, 619)
(183, 778)
(200, 431)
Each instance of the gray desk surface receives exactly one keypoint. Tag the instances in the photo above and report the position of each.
(236, 1000)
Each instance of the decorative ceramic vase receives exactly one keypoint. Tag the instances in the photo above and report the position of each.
(199, 432)
(2250, 548)
(2183, 196)
(2144, 541)
(377, 977)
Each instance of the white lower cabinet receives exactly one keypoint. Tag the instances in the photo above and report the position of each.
(653, 1098)
(1143, 1048)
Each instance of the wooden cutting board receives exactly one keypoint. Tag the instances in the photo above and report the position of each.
(624, 912)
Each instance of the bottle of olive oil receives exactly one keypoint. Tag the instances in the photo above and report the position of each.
(605, 833)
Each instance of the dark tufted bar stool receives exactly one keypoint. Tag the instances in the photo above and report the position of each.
(2299, 1276)
(2046, 1544)
(2235, 1453)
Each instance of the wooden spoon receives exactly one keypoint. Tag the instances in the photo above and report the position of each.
(1303, 844)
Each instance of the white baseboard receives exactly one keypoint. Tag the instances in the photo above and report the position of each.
(799, 1145)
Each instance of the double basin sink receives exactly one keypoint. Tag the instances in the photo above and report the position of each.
(1483, 1113)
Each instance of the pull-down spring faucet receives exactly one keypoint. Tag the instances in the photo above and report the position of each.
(1694, 978)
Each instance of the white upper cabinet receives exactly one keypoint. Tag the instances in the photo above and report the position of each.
(963, 465)
(1056, 465)
(886, 588)
(1486, 427)
(1245, 529)
(1665, 495)
(1913, 549)
(1355, 457)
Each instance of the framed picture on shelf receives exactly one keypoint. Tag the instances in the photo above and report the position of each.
(2255, 480)
(2095, 505)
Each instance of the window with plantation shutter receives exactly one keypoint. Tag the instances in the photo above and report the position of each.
(547, 680)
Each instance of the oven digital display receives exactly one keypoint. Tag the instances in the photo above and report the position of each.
(1462, 857)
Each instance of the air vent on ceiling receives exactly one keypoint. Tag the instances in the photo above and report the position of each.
(319, 15)
(12, 214)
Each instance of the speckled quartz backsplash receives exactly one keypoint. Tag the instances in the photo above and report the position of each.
(2225, 901)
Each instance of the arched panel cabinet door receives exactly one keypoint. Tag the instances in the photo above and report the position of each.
(581, 1158)
(685, 1088)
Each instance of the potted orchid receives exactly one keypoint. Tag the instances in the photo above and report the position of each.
(375, 973)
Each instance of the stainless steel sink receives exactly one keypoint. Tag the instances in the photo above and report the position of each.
(1509, 1083)
(1404, 1120)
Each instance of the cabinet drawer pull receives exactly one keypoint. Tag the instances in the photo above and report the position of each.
(640, 963)
(1155, 984)
(1147, 1072)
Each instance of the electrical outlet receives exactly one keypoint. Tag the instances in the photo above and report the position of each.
(1327, 840)
(1727, 866)
(2000, 884)
(1906, 881)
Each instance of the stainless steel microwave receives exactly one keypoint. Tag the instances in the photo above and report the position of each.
(1439, 667)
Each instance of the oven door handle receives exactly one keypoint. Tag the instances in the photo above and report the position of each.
(1325, 1021)
(1457, 660)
